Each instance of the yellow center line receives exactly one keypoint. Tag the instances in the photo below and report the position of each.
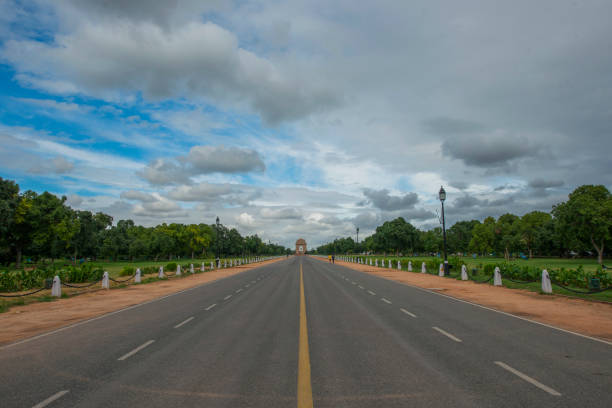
(304, 390)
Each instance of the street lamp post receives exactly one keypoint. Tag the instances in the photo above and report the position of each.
(217, 245)
(357, 234)
(442, 196)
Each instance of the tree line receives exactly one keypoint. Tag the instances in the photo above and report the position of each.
(44, 227)
(581, 225)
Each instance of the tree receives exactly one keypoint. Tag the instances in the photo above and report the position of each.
(587, 216)
(531, 228)
(483, 237)
(9, 201)
(460, 235)
(507, 234)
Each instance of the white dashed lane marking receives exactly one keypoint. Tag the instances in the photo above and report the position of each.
(136, 350)
(227, 297)
(528, 379)
(211, 306)
(184, 322)
(51, 399)
(387, 301)
(447, 334)
(371, 293)
(407, 312)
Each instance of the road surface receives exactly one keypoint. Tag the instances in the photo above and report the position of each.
(301, 333)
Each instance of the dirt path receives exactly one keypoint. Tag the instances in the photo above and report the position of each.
(581, 316)
(29, 320)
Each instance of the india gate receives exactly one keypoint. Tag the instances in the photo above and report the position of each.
(300, 247)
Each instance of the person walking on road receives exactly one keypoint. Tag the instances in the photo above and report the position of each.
(329, 258)
(333, 259)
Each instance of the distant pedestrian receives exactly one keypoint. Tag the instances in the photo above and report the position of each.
(329, 258)
(333, 259)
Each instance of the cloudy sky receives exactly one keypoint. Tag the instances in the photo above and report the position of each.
(306, 118)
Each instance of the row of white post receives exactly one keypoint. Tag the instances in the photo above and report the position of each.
(56, 288)
(497, 278)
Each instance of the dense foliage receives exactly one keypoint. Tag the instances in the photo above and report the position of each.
(42, 227)
(580, 226)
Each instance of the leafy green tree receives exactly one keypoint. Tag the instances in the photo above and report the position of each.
(9, 201)
(507, 234)
(587, 216)
(460, 235)
(483, 237)
(531, 228)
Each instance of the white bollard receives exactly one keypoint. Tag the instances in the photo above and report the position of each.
(546, 284)
(497, 281)
(191, 269)
(441, 271)
(409, 266)
(160, 275)
(56, 289)
(105, 283)
(137, 278)
(423, 268)
(389, 264)
(399, 265)
(376, 262)
(178, 270)
(225, 263)
(203, 267)
(370, 261)
(464, 275)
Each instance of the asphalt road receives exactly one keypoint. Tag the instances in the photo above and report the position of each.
(355, 341)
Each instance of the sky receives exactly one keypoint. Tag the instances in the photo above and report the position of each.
(310, 118)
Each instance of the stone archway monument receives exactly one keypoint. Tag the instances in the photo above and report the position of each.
(300, 247)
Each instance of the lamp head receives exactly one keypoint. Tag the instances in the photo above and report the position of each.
(442, 194)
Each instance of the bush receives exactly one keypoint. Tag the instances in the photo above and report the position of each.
(127, 271)
(149, 269)
(171, 267)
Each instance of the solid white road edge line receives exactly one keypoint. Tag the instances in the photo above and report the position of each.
(407, 312)
(184, 322)
(136, 350)
(51, 399)
(528, 379)
(211, 306)
(447, 334)
(386, 300)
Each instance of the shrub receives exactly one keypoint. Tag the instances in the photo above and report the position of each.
(127, 271)
(149, 269)
(171, 267)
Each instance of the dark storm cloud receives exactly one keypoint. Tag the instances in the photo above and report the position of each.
(202, 160)
(220, 159)
(487, 151)
(542, 183)
(383, 200)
